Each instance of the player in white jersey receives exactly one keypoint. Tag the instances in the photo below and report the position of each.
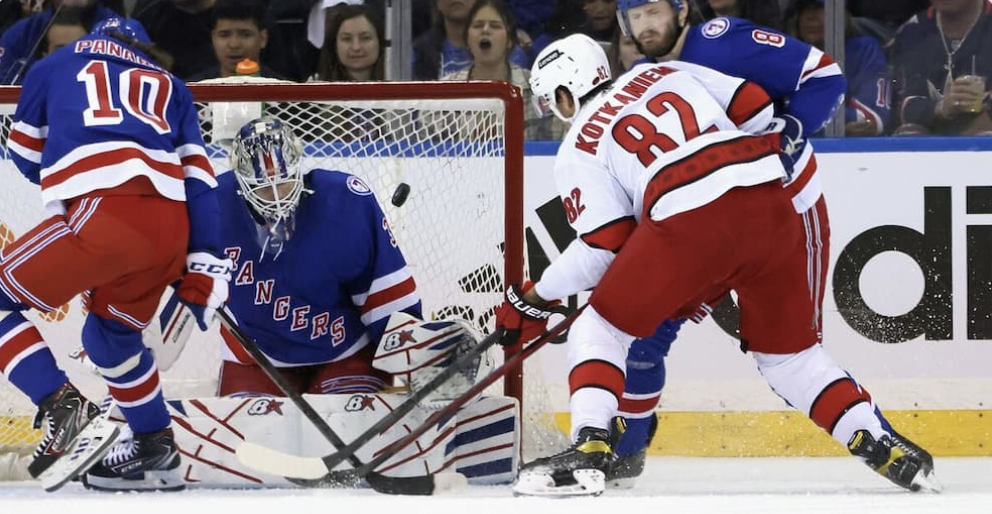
(675, 203)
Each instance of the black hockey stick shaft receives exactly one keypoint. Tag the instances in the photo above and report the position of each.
(422, 485)
(465, 397)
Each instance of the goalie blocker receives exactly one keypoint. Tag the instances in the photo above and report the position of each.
(482, 441)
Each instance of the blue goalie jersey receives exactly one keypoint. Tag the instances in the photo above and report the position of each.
(332, 288)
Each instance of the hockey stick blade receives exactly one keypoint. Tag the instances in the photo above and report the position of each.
(390, 485)
(273, 462)
(296, 466)
(310, 472)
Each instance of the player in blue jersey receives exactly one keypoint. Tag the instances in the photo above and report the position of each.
(807, 88)
(317, 269)
(114, 143)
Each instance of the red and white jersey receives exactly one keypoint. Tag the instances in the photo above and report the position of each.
(662, 140)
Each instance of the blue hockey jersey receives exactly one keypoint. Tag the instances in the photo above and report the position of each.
(20, 38)
(804, 81)
(331, 290)
(98, 113)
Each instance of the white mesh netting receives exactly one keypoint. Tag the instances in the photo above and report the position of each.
(450, 151)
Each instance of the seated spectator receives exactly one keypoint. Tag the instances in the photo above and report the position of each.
(20, 43)
(443, 50)
(865, 67)
(238, 34)
(353, 47)
(942, 66)
(622, 53)
(491, 36)
(600, 19)
(760, 12)
(182, 28)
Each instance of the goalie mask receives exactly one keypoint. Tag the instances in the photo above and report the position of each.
(266, 161)
(576, 63)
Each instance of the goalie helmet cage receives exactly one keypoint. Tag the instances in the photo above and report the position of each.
(459, 148)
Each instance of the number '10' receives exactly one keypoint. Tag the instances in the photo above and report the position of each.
(144, 94)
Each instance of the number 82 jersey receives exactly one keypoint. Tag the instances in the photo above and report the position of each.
(663, 139)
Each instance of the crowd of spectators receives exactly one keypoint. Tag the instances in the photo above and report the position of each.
(913, 66)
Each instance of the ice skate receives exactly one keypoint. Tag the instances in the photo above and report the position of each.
(146, 462)
(627, 468)
(66, 413)
(896, 458)
(580, 470)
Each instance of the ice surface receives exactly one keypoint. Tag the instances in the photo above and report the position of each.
(669, 486)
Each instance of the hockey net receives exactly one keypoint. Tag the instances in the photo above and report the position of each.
(459, 146)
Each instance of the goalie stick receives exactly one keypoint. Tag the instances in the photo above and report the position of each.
(420, 485)
(319, 469)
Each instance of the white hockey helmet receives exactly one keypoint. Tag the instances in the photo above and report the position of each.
(576, 63)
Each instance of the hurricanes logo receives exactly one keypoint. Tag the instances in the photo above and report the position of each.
(263, 406)
(359, 402)
(7, 237)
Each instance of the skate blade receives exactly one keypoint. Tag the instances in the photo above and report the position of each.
(588, 482)
(926, 482)
(146, 481)
(89, 447)
(622, 483)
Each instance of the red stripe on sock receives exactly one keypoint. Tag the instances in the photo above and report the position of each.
(834, 401)
(599, 374)
(137, 392)
(638, 406)
(17, 345)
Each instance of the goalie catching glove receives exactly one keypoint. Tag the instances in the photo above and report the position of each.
(205, 287)
(521, 320)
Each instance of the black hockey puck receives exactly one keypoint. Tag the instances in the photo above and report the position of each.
(399, 196)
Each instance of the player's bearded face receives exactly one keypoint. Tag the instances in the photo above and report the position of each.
(655, 27)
